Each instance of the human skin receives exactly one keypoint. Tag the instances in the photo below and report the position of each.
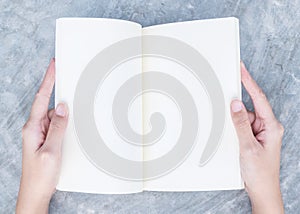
(259, 135)
(260, 138)
(41, 152)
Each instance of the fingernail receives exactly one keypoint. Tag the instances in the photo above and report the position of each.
(243, 65)
(236, 106)
(61, 110)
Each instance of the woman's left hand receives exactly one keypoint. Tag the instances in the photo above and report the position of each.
(42, 139)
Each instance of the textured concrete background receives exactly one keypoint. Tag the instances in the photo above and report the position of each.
(270, 37)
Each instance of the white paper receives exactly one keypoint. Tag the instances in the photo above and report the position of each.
(218, 41)
(78, 40)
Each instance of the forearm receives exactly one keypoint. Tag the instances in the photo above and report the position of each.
(29, 206)
(267, 203)
(30, 201)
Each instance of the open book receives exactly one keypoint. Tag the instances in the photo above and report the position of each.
(148, 107)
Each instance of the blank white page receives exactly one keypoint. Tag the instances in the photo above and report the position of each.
(217, 40)
(78, 40)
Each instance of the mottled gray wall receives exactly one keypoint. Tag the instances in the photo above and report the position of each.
(270, 36)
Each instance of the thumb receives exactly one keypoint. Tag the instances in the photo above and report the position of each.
(242, 124)
(57, 128)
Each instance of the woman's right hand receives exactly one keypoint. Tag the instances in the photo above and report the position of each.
(260, 135)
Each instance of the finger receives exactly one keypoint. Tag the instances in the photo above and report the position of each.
(41, 102)
(242, 124)
(50, 114)
(57, 129)
(251, 116)
(261, 105)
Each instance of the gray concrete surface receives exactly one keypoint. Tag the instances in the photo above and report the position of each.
(270, 37)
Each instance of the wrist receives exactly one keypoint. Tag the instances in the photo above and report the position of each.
(32, 200)
(267, 201)
(28, 203)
